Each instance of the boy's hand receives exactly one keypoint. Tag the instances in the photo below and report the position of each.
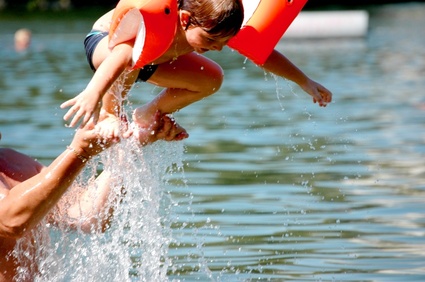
(319, 93)
(84, 106)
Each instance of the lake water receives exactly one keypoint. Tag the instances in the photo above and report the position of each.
(272, 188)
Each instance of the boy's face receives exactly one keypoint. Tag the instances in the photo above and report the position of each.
(202, 41)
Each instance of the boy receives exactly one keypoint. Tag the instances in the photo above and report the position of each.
(187, 77)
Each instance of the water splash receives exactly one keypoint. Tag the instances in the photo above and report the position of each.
(135, 247)
(279, 93)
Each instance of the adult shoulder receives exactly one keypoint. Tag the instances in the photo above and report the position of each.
(16, 166)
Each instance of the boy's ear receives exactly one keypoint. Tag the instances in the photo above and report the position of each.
(184, 19)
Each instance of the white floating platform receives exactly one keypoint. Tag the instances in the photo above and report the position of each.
(329, 24)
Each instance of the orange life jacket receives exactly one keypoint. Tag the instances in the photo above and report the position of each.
(151, 24)
(265, 21)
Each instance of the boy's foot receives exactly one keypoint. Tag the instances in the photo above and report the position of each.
(161, 127)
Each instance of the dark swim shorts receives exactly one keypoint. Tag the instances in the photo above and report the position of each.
(90, 43)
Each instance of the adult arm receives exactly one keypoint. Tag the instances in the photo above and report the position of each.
(92, 210)
(25, 204)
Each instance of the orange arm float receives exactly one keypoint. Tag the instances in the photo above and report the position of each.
(151, 24)
(265, 23)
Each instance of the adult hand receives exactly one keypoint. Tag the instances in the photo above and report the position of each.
(87, 142)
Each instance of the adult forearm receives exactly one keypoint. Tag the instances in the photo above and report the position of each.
(29, 201)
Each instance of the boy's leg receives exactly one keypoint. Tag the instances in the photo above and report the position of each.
(188, 79)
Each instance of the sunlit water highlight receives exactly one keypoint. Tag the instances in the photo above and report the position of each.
(272, 187)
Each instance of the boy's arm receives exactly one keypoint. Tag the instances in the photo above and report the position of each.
(281, 66)
(88, 102)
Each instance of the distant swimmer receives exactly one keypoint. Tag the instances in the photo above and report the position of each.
(22, 39)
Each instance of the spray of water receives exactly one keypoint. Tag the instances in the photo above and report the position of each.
(136, 244)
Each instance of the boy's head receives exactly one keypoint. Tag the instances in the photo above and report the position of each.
(217, 17)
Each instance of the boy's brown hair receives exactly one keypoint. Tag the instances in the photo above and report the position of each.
(217, 17)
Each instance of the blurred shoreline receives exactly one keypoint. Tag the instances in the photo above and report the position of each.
(335, 4)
